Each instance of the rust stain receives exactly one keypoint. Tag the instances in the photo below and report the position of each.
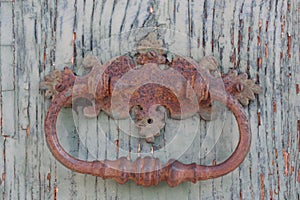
(260, 25)
(271, 194)
(298, 130)
(28, 130)
(258, 118)
(262, 186)
(45, 56)
(55, 187)
(289, 139)
(259, 62)
(286, 161)
(297, 89)
(55, 192)
(232, 39)
(74, 48)
(1, 119)
(267, 25)
(266, 50)
(276, 153)
(258, 41)
(49, 181)
(278, 182)
(233, 57)
(74, 36)
(117, 143)
(214, 163)
(289, 46)
(274, 106)
(298, 178)
(39, 177)
(3, 177)
(4, 161)
(282, 24)
(240, 37)
(281, 55)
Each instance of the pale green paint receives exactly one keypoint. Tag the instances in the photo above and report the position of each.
(31, 172)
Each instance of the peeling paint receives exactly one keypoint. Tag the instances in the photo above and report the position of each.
(28, 130)
(55, 192)
(223, 22)
(274, 106)
(259, 62)
(266, 50)
(298, 130)
(262, 186)
(286, 161)
(49, 181)
(258, 119)
(289, 45)
(271, 194)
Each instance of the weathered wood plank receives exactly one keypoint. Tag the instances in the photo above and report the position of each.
(63, 32)
(257, 37)
(6, 26)
(7, 68)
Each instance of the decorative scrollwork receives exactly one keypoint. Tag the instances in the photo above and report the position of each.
(184, 89)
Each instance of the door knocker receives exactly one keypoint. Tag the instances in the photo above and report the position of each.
(181, 85)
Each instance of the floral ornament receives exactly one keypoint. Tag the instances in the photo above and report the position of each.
(151, 125)
(241, 87)
(50, 82)
(150, 50)
(57, 81)
(238, 85)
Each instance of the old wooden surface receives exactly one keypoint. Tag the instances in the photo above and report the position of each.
(257, 37)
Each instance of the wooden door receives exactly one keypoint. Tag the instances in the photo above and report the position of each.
(260, 38)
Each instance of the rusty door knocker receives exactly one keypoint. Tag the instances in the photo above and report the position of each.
(101, 82)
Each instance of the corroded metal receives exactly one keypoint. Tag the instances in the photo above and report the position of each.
(182, 87)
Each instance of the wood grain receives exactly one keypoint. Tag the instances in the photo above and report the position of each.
(257, 37)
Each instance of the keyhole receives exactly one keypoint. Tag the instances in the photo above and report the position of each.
(150, 121)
